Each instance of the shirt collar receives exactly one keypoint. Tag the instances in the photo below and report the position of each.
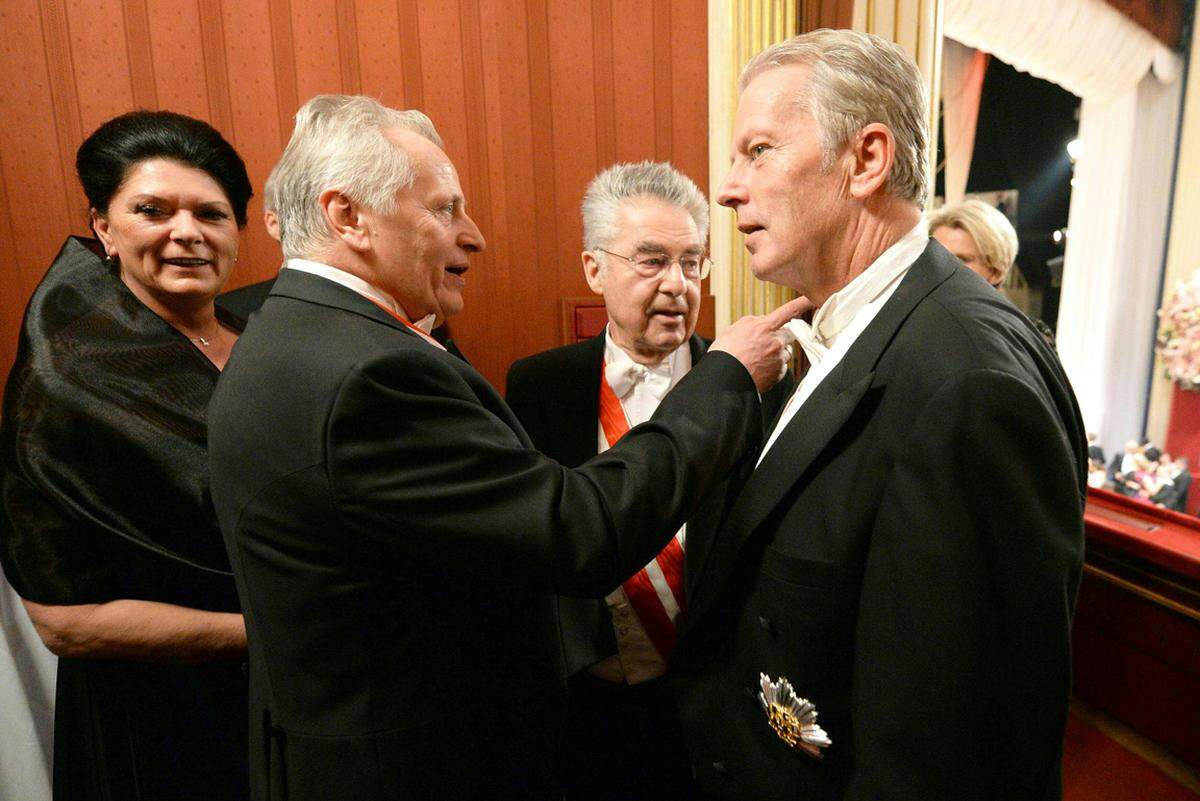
(358, 285)
(616, 356)
(842, 306)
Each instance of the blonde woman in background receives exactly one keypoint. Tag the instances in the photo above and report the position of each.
(979, 235)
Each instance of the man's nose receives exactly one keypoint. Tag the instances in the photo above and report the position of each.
(673, 282)
(731, 192)
(471, 238)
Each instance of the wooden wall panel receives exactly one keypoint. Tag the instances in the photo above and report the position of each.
(533, 97)
(177, 57)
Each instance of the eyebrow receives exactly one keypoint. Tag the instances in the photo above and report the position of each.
(144, 196)
(647, 246)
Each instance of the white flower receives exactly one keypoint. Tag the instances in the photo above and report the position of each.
(793, 718)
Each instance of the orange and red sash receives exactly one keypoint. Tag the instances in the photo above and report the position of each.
(656, 591)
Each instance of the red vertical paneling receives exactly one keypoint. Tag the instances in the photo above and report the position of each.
(689, 90)
(216, 71)
(602, 81)
(347, 37)
(410, 53)
(283, 57)
(506, 43)
(314, 37)
(255, 125)
(11, 301)
(551, 227)
(531, 96)
(176, 48)
(103, 79)
(633, 88)
(138, 50)
(573, 110)
(64, 97)
(663, 84)
(380, 61)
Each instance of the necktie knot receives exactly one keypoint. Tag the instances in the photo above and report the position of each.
(623, 378)
(809, 341)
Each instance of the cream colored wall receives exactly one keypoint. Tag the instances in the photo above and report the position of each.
(1183, 248)
(737, 29)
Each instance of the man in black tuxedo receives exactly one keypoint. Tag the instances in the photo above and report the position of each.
(644, 228)
(395, 538)
(884, 612)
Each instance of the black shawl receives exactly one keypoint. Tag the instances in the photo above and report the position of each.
(103, 449)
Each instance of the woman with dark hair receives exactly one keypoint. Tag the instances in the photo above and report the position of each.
(106, 531)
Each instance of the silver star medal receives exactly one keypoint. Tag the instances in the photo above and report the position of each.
(793, 718)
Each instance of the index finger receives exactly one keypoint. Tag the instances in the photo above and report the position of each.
(788, 311)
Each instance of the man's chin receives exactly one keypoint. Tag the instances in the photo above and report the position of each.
(448, 306)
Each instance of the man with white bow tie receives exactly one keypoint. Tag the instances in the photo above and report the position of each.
(645, 228)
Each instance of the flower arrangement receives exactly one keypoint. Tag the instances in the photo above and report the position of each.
(1178, 342)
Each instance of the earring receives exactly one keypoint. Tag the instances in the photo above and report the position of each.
(111, 261)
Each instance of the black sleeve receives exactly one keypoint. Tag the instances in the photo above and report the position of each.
(420, 466)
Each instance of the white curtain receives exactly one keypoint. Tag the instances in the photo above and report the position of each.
(1085, 46)
(963, 71)
(1118, 230)
(1128, 128)
(27, 680)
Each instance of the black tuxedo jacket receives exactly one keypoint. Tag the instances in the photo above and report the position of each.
(907, 555)
(397, 544)
(556, 396)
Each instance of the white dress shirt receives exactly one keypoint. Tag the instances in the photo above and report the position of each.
(636, 659)
(368, 291)
(844, 316)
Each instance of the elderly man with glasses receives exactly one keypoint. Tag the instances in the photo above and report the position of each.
(645, 229)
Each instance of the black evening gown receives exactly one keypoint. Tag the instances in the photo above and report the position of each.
(104, 474)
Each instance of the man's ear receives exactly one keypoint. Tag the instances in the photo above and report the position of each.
(346, 219)
(593, 271)
(100, 227)
(874, 153)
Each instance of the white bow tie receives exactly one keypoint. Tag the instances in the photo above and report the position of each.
(624, 376)
(810, 342)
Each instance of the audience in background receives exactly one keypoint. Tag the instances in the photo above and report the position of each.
(1145, 472)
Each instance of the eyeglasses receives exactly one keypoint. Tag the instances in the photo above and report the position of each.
(654, 265)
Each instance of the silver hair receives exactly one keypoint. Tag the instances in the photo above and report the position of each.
(268, 192)
(340, 142)
(620, 182)
(857, 79)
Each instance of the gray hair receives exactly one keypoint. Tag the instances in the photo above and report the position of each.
(340, 142)
(269, 190)
(857, 79)
(621, 182)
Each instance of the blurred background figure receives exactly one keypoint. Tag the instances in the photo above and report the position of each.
(979, 235)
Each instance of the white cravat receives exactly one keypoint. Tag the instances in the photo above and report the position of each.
(368, 291)
(844, 316)
(624, 375)
(641, 388)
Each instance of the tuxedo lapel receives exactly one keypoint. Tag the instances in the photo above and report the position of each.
(577, 419)
(809, 432)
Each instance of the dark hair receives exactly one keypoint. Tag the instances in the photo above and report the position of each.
(105, 157)
(1153, 454)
